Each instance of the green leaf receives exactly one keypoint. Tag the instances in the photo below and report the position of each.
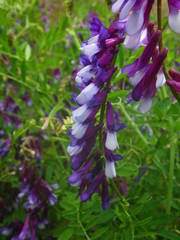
(99, 232)
(168, 235)
(66, 234)
(27, 52)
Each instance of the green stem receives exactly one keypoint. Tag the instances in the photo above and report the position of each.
(159, 18)
(171, 168)
(80, 223)
(124, 205)
(133, 124)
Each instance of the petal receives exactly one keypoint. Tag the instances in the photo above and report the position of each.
(135, 22)
(110, 170)
(174, 21)
(132, 42)
(145, 105)
(111, 141)
(109, 116)
(24, 230)
(90, 50)
(93, 39)
(81, 113)
(126, 9)
(116, 6)
(130, 68)
(161, 80)
(87, 93)
(78, 130)
(74, 150)
(137, 77)
(84, 75)
(175, 85)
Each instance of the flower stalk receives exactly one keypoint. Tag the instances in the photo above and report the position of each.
(133, 124)
(171, 168)
(159, 19)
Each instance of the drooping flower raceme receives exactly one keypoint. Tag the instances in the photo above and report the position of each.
(93, 81)
(147, 77)
(38, 195)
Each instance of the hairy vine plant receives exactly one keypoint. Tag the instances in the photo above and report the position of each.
(95, 117)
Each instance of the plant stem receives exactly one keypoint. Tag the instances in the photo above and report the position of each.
(124, 204)
(80, 223)
(133, 124)
(159, 18)
(171, 168)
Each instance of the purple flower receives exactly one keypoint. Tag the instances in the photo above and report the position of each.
(95, 24)
(4, 147)
(174, 15)
(9, 109)
(77, 177)
(26, 98)
(142, 171)
(24, 231)
(174, 82)
(144, 76)
(135, 16)
(37, 191)
(111, 143)
(92, 79)
(12, 230)
(105, 194)
(56, 74)
(37, 195)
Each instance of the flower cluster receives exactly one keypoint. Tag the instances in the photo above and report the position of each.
(45, 16)
(9, 110)
(146, 73)
(93, 80)
(134, 14)
(38, 195)
(4, 144)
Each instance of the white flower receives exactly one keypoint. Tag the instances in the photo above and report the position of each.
(87, 93)
(111, 141)
(78, 130)
(81, 113)
(110, 170)
(174, 21)
(84, 75)
(73, 150)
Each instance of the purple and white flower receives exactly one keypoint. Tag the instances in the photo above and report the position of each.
(174, 15)
(114, 125)
(135, 16)
(147, 77)
(93, 82)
